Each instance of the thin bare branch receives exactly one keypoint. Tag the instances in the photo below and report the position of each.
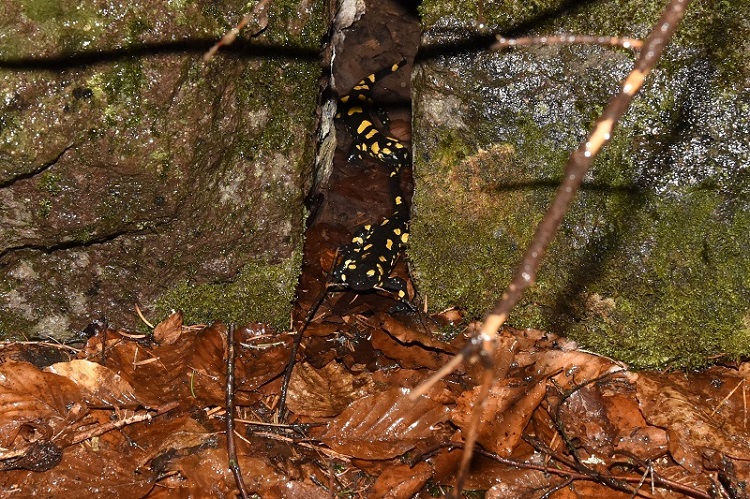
(578, 165)
(234, 464)
(259, 15)
(613, 41)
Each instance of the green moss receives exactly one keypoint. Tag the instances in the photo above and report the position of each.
(43, 10)
(13, 327)
(261, 293)
(45, 208)
(290, 88)
(691, 301)
(50, 183)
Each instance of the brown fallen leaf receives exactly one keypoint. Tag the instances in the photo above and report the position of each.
(384, 425)
(100, 386)
(41, 404)
(93, 469)
(325, 392)
(413, 335)
(507, 410)
(678, 404)
(401, 481)
(169, 330)
(407, 356)
(585, 415)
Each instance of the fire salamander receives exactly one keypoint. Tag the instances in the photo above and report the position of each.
(353, 109)
(367, 262)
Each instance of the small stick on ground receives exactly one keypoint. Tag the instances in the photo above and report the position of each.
(234, 464)
(293, 355)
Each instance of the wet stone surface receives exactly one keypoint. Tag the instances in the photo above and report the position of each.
(649, 267)
(132, 171)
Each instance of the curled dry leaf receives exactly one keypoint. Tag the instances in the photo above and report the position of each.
(100, 386)
(325, 392)
(507, 410)
(401, 480)
(573, 368)
(677, 404)
(169, 330)
(384, 425)
(409, 335)
(42, 403)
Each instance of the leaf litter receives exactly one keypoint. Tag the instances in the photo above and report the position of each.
(132, 416)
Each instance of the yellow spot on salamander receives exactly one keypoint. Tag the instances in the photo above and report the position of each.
(389, 244)
(371, 134)
(395, 67)
(387, 151)
(397, 231)
(375, 148)
(367, 247)
(361, 86)
(370, 273)
(371, 78)
(354, 110)
(345, 99)
(363, 126)
(398, 199)
(405, 237)
(382, 258)
(351, 266)
(358, 240)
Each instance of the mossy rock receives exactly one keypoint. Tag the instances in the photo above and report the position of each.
(131, 171)
(650, 265)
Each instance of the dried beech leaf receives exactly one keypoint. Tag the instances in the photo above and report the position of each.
(325, 392)
(383, 425)
(101, 386)
(103, 473)
(574, 367)
(206, 474)
(413, 336)
(40, 400)
(169, 330)
(522, 483)
(585, 415)
(680, 406)
(407, 356)
(401, 480)
(507, 410)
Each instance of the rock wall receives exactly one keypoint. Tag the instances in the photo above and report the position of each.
(133, 172)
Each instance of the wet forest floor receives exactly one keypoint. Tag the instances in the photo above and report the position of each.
(144, 415)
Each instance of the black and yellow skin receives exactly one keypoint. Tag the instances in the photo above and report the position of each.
(356, 109)
(367, 262)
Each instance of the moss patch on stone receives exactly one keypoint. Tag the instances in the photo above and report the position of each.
(260, 293)
(648, 266)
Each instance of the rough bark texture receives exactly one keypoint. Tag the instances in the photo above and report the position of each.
(650, 266)
(132, 171)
